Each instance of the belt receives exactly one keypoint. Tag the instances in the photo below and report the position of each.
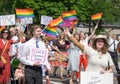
(32, 67)
(112, 52)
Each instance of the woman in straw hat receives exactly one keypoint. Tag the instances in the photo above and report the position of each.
(99, 60)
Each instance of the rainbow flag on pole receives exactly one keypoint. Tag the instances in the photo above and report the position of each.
(50, 31)
(96, 16)
(21, 13)
(57, 22)
(69, 15)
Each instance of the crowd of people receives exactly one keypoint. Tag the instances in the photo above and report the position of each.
(16, 46)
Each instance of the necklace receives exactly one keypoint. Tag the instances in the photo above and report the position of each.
(100, 55)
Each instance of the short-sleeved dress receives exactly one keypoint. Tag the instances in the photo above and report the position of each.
(5, 72)
(97, 62)
(73, 58)
(62, 48)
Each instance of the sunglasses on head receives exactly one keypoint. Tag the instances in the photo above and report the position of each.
(5, 32)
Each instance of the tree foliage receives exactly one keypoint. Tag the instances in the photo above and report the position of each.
(54, 8)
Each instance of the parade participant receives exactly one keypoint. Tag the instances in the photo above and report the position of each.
(113, 51)
(84, 39)
(73, 61)
(33, 69)
(19, 74)
(99, 60)
(46, 71)
(5, 43)
(13, 31)
(12, 51)
(59, 46)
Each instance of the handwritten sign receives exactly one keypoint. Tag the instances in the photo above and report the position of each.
(20, 26)
(96, 78)
(26, 20)
(39, 55)
(7, 20)
(57, 63)
(45, 19)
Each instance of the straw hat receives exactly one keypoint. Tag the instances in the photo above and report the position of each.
(100, 36)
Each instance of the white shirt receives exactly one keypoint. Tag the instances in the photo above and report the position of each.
(111, 48)
(25, 58)
(20, 50)
(85, 42)
(97, 62)
(15, 46)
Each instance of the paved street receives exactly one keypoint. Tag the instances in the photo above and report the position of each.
(57, 80)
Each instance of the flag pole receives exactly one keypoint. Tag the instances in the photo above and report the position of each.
(44, 28)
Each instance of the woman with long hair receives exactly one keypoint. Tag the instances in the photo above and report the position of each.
(5, 40)
(73, 58)
(60, 47)
(99, 60)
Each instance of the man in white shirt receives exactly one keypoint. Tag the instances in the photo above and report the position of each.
(113, 51)
(33, 70)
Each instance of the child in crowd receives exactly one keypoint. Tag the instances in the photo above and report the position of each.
(19, 74)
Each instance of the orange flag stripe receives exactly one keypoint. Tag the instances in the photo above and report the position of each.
(96, 16)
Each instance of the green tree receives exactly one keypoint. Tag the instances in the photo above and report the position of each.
(54, 8)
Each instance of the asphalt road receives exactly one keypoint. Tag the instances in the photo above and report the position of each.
(57, 80)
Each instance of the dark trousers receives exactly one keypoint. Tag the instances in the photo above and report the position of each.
(114, 56)
(33, 75)
(118, 78)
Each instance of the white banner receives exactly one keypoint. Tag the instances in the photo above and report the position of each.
(96, 78)
(7, 20)
(26, 20)
(45, 19)
(39, 55)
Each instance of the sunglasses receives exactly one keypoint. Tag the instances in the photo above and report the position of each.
(5, 32)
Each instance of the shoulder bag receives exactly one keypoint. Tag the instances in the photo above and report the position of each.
(2, 59)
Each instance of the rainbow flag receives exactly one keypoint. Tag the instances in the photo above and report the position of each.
(2, 27)
(96, 16)
(73, 23)
(21, 13)
(50, 31)
(69, 15)
(57, 22)
(69, 23)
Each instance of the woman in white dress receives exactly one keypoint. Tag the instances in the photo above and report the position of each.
(99, 60)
